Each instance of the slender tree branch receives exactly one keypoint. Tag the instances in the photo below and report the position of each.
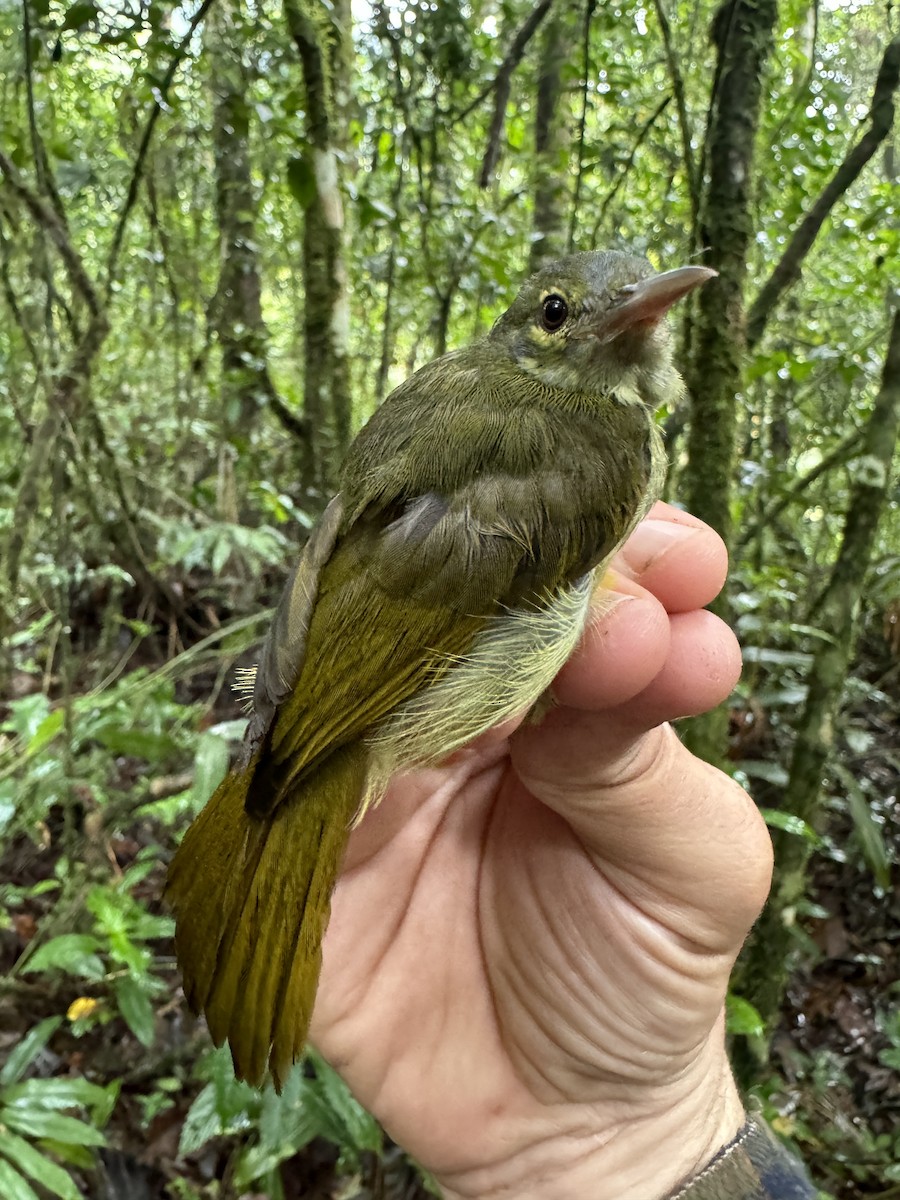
(489, 87)
(305, 36)
(502, 85)
(842, 453)
(722, 28)
(684, 124)
(803, 86)
(787, 271)
(623, 174)
(47, 219)
(137, 172)
(13, 305)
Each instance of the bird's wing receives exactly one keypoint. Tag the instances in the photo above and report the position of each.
(444, 534)
(402, 596)
(285, 646)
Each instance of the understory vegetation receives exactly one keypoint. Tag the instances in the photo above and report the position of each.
(227, 230)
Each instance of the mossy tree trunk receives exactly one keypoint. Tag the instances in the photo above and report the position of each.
(742, 32)
(763, 973)
(322, 37)
(551, 141)
(236, 311)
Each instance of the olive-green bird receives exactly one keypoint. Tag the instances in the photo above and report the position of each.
(440, 593)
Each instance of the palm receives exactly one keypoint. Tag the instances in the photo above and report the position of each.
(537, 923)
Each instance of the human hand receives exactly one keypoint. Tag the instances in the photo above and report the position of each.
(525, 971)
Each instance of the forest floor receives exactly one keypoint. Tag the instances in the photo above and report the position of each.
(832, 1083)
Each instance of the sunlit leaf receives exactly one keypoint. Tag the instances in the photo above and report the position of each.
(38, 1166)
(75, 953)
(35, 1123)
(136, 1008)
(742, 1018)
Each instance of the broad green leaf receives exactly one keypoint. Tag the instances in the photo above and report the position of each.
(27, 715)
(362, 1128)
(137, 743)
(56, 1093)
(741, 1017)
(37, 1124)
(14, 1186)
(767, 770)
(28, 1049)
(222, 1107)
(776, 819)
(135, 1007)
(210, 765)
(201, 1124)
(9, 792)
(868, 829)
(75, 953)
(46, 731)
(41, 1168)
(776, 658)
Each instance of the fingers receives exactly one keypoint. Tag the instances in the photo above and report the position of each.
(671, 828)
(655, 657)
(676, 557)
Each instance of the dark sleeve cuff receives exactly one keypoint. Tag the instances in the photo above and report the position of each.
(755, 1166)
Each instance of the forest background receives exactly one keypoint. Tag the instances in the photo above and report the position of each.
(226, 232)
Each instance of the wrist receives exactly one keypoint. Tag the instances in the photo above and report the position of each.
(574, 1152)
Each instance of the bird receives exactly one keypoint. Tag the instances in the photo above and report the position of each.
(440, 592)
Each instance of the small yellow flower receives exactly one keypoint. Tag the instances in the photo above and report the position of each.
(83, 1007)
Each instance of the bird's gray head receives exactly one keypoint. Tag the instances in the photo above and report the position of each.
(595, 323)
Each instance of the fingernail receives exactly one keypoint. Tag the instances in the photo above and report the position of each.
(652, 539)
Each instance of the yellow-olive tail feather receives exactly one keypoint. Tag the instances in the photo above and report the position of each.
(251, 897)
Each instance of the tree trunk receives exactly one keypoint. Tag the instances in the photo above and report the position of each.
(550, 142)
(742, 32)
(764, 970)
(322, 38)
(236, 313)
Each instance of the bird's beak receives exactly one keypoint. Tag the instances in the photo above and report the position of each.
(645, 303)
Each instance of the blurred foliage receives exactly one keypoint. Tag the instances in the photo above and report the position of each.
(157, 523)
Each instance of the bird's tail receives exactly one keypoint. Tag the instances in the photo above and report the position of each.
(251, 897)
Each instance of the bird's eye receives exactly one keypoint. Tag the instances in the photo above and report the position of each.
(554, 311)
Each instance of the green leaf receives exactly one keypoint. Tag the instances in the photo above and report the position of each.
(27, 714)
(780, 658)
(13, 1186)
(137, 743)
(41, 1168)
(46, 731)
(56, 1093)
(776, 819)
(220, 554)
(371, 212)
(201, 1124)
(301, 180)
(75, 953)
(37, 1124)
(760, 768)
(215, 1113)
(135, 1007)
(210, 765)
(868, 830)
(28, 1049)
(742, 1018)
(78, 15)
